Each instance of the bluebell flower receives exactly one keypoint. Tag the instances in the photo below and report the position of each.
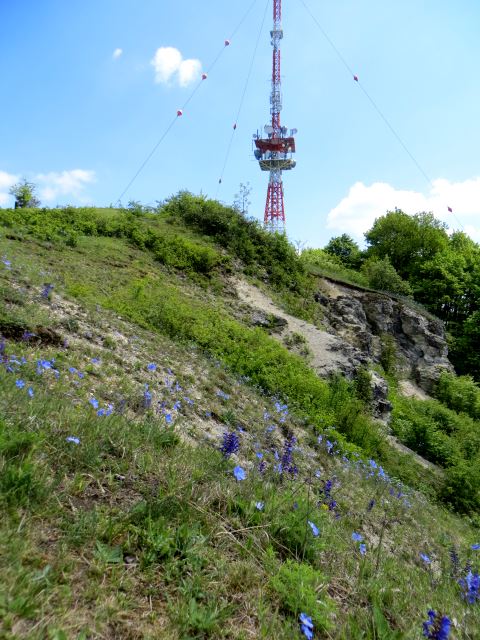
(72, 370)
(455, 560)
(109, 410)
(147, 398)
(318, 473)
(101, 412)
(177, 405)
(287, 463)
(80, 375)
(208, 414)
(306, 625)
(356, 537)
(239, 473)
(223, 395)
(314, 528)
(371, 504)
(475, 547)
(168, 418)
(20, 384)
(47, 290)
(437, 627)
(230, 443)
(30, 392)
(95, 361)
(7, 263)
(425, 558)
(259, 455)
(152, 367)
(73, 439)
(94, 403)
(259, 506)
(362, 548)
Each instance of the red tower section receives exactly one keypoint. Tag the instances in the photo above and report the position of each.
(274, 152)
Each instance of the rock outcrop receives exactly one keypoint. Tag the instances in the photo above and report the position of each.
(363, 319)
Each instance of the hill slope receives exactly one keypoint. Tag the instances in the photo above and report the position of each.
(168, 471)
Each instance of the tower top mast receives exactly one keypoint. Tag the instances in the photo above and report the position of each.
(274, 152)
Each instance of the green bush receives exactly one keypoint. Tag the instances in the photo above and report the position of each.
(461, 487)
(381, 275)
(459, 393)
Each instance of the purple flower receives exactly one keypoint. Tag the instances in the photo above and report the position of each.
(363, 549)
(73, 439)
(152, 367)
(20, 384)
(168, 418)
(314, 528)
(425, 558)
(30, 392)
(475, 547)
(47, 290)
(356, 537)
(95, 361)
(259, 506)
(230, 444)
(239, 473)
(94, 403)
(470, 586)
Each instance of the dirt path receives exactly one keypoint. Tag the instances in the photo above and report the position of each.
(327, 350)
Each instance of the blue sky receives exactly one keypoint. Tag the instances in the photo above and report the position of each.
(86, 94)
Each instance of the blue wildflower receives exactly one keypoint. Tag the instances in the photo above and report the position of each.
(470, 586)
(287, 462)
(223, 395)
(230, 444)
(147, 398)
(239, 473)
(475, 547)
(7, 263)
(259, 506)
(356, 537)
(101, 412)
(20, 384)
(95, 361)
(177, 405)
(362, 548)
(259, 455)
(425, 558)
(30, 392)
(73, 439)
(72, 370)
(168, 418)
(437, 627)
(318, 473)
(47, 289)
(306, 625)
(152, 367)
(314, 528)
(371, 504)
(94, 403)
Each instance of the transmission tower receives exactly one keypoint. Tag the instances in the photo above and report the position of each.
(274, 153)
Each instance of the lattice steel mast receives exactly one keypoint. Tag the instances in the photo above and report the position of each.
(274, 152)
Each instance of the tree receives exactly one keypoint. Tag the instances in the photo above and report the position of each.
(346, 249)
(24, 193)
(407, 240)
(242, 202)
(382, 275)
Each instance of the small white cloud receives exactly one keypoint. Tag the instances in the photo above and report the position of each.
(357, 212)
(117, 53)
(64, 183)
(6, 181)
(170, 66)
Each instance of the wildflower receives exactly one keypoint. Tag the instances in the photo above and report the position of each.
(152, 367)
(259, 506)
(7, 263)
(223, 395)
(168, 418)
(475, 547)
(47, 289)
(177, 405)
(455, 561)
(306, 625)
(239, 474)
(437, 627)
(262, 467)
(363, 549)
(94, 403)
(109, 410)
(72, 370)
(470, 586)
(287, 457)
(30, 392)
(208, 414)
(95, 361)
(147, 398)
(371, 504)
(318, 473)
(101, 412)
(356, 537)
(73, 439)
(314, 528)
(27, 335)
(425, 558)
(259, 455)
(230, 444)
(329, 446)
(20, 384)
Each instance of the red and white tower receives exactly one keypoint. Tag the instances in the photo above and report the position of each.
(274, 153)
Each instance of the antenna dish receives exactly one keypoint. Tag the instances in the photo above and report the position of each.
(268, 128)
(293, 131)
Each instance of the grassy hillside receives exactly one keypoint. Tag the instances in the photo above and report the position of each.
(167, 471)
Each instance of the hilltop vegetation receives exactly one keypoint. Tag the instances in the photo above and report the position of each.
(168, 471)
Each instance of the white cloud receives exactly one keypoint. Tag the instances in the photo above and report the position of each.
(170, 66)
(356, 213)
(117, 53)
(64, 183)
(6, 181)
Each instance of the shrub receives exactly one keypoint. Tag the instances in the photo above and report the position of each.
(381, 275)
(459, 393)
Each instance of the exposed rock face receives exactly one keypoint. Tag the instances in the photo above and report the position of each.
(361, 318)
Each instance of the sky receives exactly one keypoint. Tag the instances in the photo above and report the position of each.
(90, 87)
